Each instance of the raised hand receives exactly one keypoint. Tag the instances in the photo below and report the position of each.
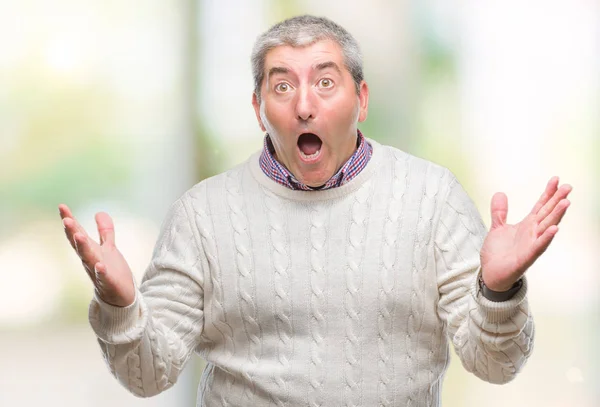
(104, 264)
(509, 250)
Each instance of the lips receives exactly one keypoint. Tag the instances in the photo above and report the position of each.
(309, 146)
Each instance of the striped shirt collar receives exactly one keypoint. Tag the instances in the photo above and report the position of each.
(278, 173)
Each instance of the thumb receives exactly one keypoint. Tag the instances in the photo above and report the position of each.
(106, 228)
(499, 209)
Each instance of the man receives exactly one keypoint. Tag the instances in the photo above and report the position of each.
(326, 270)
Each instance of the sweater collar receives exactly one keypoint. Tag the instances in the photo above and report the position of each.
(280, 174)
(379, 154)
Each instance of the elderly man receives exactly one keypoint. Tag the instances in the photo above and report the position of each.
(326, 270)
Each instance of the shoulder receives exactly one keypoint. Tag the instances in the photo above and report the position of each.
(417, 169)
(216, 186)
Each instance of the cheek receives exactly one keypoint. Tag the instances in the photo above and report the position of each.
(343, 112)
(279, 122)
(274, 113)
(279, 116)
(282, 119)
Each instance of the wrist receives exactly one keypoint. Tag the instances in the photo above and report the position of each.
(497, 295)
(496, 284)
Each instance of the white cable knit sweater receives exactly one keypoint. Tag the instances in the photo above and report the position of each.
(342, 297)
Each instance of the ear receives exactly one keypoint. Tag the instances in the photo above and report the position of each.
(256, 106)
(363, 99)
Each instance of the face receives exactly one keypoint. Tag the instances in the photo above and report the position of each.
(310, 109)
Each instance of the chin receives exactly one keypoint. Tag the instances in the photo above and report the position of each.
(316, 182)
(315, 178)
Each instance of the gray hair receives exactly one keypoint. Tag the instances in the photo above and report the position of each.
(302, 31)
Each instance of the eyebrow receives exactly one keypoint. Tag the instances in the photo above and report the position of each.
(276, 70)
(319, 67)
(328, 64)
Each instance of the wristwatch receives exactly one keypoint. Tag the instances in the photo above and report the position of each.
(499, 296)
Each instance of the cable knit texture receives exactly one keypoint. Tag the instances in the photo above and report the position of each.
(343, 297)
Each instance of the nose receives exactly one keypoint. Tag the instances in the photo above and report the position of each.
(306, 105)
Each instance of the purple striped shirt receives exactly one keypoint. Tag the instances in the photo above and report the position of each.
(278, 173)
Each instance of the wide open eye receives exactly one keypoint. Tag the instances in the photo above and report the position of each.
(283, 87)
(326, 83)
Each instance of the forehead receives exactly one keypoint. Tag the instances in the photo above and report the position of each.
(306, 56)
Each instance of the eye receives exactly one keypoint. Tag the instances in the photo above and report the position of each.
(282, 87)
(326, 83)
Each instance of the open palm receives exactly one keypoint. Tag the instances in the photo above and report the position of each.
(509, 250)
(103, 262)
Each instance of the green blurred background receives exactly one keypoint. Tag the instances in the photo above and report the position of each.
(122, 106)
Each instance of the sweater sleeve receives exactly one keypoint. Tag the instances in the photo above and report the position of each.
(147, 344)
(492, 339)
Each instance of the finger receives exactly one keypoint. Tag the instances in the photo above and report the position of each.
(106, 228)
(65, 213)
(104, 280)
(499, 209)
(559, 195)
(106, 287)
(85, 251)
(555, 217)
(546, 195)
(100, 269)
(100, 273)
(70, 230)
(68, 223)
(542, 242)
(89, 271)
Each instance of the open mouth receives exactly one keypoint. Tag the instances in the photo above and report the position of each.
(309, 146)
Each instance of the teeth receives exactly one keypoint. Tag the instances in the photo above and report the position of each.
(315, 155)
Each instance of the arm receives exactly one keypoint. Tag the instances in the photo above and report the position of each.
(492, 339)
(147, 343)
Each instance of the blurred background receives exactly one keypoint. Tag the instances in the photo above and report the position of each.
(123, 106)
